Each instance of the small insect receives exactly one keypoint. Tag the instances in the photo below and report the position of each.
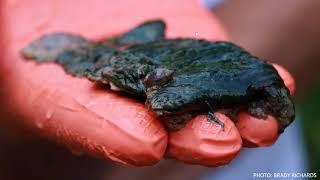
(178, 78)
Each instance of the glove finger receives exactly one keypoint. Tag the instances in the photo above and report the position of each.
(206, 143)
(73, 112)
(256, 132)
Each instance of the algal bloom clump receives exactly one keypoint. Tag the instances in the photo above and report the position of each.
(178, 78)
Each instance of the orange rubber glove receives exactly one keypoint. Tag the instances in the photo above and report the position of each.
(86, 118)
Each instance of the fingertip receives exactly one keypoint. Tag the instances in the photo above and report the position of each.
(133, 137)
(76, 114)
(257, 132)
(206, 143)
(287, 77)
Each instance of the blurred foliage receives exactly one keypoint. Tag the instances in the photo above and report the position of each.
(310, 108)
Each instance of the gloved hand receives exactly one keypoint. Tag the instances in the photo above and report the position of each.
(86, 118)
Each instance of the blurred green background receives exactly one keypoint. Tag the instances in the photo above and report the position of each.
(310, 108)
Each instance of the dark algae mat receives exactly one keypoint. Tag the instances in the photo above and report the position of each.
(178, 78)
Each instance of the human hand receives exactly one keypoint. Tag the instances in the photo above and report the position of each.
(86, 118)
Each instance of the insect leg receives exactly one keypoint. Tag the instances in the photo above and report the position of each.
(212, 117)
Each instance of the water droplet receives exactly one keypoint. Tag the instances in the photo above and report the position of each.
(49, 114)
(39, 124)
(196, 34)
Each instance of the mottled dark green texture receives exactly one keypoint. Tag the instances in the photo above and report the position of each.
(48, 47)
(180, 78)
(80, 62)
(147, 32)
